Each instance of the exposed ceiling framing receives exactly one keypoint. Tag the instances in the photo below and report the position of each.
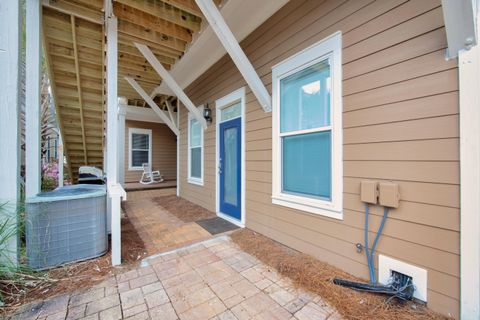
(74, 43)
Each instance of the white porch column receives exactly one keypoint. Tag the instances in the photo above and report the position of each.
(32, 99)
(9, 121)
(178, 148)
(122, 112)
(469, 83)
(60, 157)
(115, 191)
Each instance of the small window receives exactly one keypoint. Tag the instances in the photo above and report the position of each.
(195, 151)
(307, 136)
(140, 148)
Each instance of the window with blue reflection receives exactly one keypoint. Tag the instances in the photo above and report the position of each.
(305, 132)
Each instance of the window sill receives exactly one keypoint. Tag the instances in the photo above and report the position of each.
(198, 182)
(307, 207)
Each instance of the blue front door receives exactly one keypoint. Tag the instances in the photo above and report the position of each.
(230, 168)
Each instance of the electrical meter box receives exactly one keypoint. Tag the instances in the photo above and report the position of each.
(368, 191)
(389, 194)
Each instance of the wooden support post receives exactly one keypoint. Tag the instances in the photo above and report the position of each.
(9, 123)
(115, 191)
(122, 112)
(469, 100)
(226, 37)
(167, 78)
(60, 160)
(32, 99)
(178, 149)
(170, 112)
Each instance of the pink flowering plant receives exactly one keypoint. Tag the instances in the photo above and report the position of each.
(49, 176)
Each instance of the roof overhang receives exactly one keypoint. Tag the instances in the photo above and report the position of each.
(460, 24)
(141, 114)
(242, 17)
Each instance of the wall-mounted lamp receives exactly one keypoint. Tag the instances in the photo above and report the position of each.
(207, 113)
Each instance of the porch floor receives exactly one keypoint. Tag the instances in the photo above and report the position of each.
(212, 280)
(159, 229)
(137, 186)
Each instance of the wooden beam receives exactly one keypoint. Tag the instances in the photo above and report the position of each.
(167, 78)
(152, 105)
(128, 40)
(170, 111)
(185, 5)
(145, 34)
(460, 26)
(226, 37)
(125, 57)
(32, 99)
(165, 12)
(151, 22)
(76, 10)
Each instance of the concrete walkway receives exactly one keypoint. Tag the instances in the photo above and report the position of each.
(213, 279)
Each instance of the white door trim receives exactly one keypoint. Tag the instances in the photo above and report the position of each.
(226, 101)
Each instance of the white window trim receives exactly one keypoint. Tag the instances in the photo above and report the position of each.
(190, 179)
(220, 104)
(331, 48)
(139, 131)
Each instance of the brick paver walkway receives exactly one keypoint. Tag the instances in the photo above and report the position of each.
(213, 279)
(159, 229)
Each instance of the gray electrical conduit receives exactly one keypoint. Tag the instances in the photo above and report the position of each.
(399, 288)
(371, 255)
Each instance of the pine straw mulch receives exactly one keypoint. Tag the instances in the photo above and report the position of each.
(75, 276)
(183, 209)
(317, 277)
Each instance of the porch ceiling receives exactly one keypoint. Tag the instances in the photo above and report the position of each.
(74, 43)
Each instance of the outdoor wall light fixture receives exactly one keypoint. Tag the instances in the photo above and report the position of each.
(207, 113)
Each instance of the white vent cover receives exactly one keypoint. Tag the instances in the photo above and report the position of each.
(419, 276)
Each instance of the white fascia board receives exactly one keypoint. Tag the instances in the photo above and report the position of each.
(141, 114)
(460, 25)
(242, 17)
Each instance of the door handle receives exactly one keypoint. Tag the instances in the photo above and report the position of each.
(220, 166)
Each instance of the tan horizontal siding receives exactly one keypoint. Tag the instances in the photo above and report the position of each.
(400, 123)
(164, 150)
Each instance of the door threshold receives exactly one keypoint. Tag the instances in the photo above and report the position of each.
(230, 219)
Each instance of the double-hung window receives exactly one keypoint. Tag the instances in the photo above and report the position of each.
(195, 151)
(140, 148)
(307, 130)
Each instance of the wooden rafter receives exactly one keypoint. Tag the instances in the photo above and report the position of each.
(186, 5)
(128, 39)
(165, 12)
(51, 77)
(125, 47)
(145, 34)
(151, 22)
(76, 10)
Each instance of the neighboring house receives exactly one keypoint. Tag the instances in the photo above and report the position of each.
(361, 91)
(50, 146)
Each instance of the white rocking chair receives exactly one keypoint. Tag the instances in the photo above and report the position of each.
(149, 176)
